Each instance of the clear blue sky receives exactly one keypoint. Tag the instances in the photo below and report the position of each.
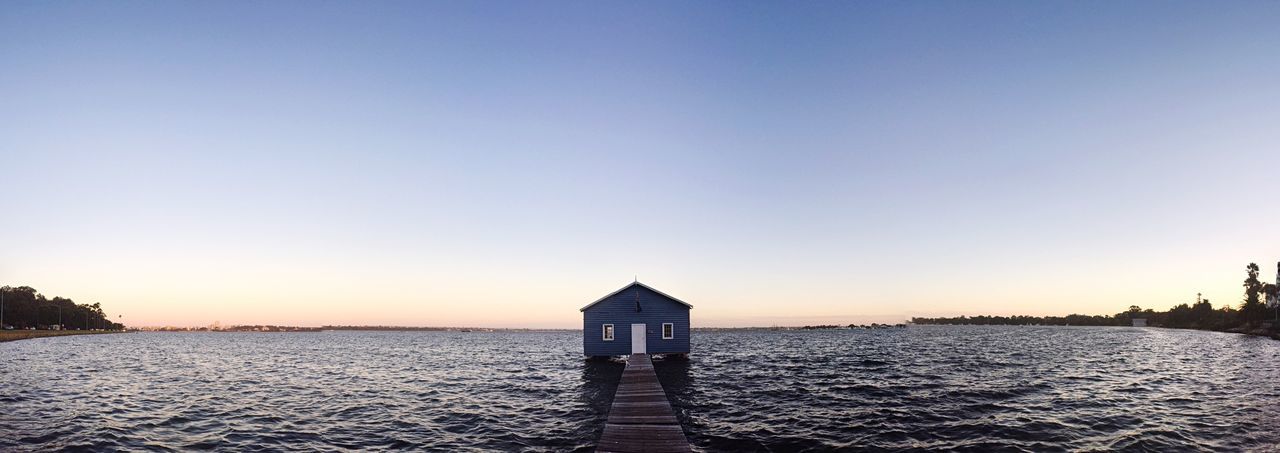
(504, 163)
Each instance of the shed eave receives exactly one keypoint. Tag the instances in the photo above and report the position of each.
(624, 288)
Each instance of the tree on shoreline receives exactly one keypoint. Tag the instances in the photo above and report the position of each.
(1201, 315)
(1252, 309)
(24, 307)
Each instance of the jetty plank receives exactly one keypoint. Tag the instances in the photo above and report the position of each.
(641, 419)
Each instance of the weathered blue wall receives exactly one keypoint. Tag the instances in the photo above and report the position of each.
(620, 310)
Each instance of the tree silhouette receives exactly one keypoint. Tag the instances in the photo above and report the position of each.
(1201, 315)
(24, 307)
(1252, 309)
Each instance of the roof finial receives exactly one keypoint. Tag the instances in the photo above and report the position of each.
(636, 278)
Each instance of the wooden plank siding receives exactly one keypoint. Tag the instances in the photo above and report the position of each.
(619, 309)
(641, 419)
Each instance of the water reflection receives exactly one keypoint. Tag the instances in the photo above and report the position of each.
(599, 382)
(673, 373)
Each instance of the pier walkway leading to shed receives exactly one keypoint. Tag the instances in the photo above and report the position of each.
(641, 419)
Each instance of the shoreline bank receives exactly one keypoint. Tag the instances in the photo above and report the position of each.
(1257, 332)
(15, 335)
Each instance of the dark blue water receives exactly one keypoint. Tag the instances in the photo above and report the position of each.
(975, 388)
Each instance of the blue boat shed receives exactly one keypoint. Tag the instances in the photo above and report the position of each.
(635, 319)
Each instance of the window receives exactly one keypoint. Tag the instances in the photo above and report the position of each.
(608, 332)
(668, 331)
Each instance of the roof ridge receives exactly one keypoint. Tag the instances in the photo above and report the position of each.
(636, 283)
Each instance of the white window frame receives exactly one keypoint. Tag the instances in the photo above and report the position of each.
(606, 332)
(664, 330)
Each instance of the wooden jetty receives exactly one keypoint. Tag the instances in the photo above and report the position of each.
(641, 419)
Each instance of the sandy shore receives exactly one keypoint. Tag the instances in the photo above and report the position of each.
(11, 335)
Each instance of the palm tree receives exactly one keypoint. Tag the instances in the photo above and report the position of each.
(1252, 310)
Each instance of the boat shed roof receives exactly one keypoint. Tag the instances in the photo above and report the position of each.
(642, 285)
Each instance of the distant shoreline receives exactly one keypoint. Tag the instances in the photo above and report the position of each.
(15, 335)
(284, 329)
(289, 329)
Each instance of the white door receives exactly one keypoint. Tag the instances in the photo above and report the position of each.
(637, 338)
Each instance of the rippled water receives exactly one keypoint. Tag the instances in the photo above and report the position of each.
(977, 388)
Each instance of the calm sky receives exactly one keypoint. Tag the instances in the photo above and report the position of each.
(505, 163)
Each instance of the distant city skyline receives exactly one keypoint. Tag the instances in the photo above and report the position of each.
(503, 164)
